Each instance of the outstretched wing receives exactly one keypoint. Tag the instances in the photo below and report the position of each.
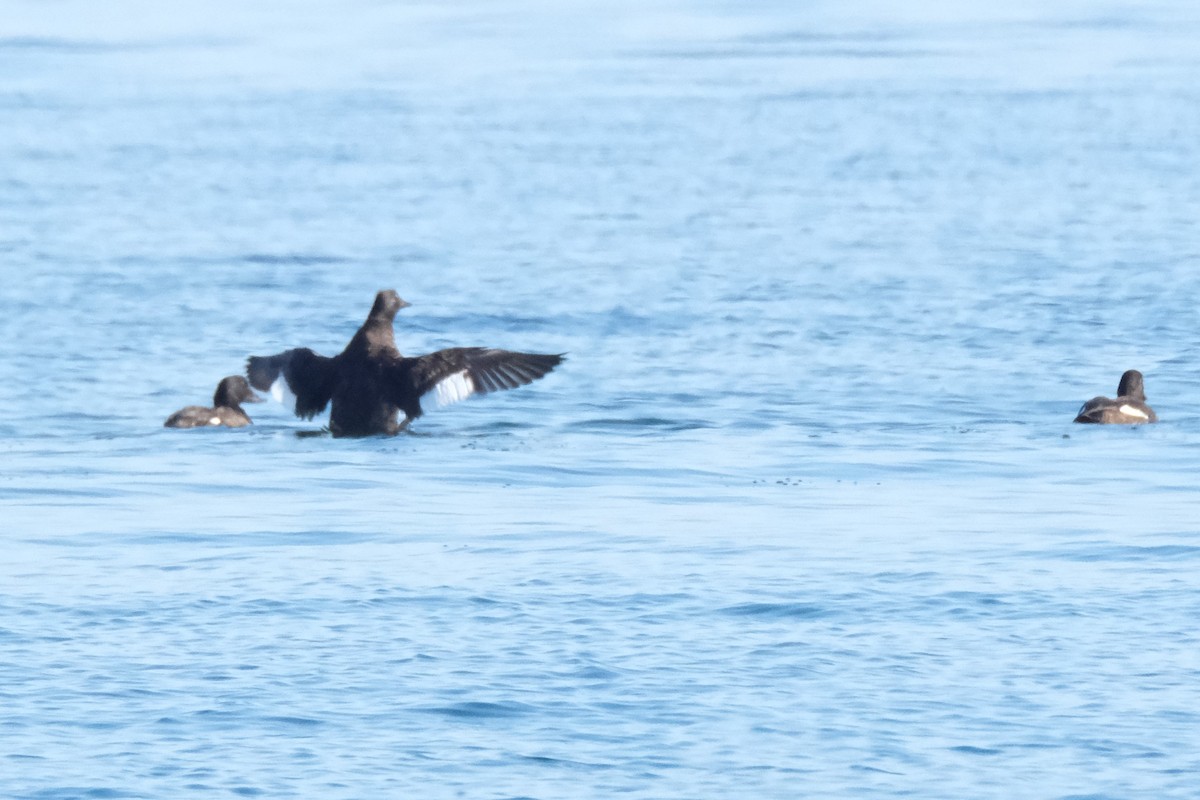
(309, 378)
(449, 376)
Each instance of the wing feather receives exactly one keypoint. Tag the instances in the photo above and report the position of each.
(457, 373)
(308, 377)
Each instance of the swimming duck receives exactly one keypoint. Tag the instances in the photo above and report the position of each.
(227, 407)
(369, 383)
(1129, 407)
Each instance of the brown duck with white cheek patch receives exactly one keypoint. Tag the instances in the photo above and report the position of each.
(1127, 408)
(370, 384)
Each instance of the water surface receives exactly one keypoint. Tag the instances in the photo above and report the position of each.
(802, 515)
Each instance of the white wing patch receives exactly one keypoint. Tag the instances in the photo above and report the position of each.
(453, 388)
(1131, 411)
(215, 421)
(282, 393)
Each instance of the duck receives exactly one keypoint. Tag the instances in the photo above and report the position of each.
(369, 386)
(227, 408)
(1128, 408)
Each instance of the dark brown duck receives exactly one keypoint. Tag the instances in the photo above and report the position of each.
(369, 384)
(1127, 408)
(227, 407)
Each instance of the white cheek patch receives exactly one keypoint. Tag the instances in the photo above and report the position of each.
(1130, 411)
(282, 393)
(453, 388)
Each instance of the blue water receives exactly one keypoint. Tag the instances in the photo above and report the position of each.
(802, 515)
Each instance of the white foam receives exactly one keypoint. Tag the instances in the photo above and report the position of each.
(453, 388)
(1132, 411)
